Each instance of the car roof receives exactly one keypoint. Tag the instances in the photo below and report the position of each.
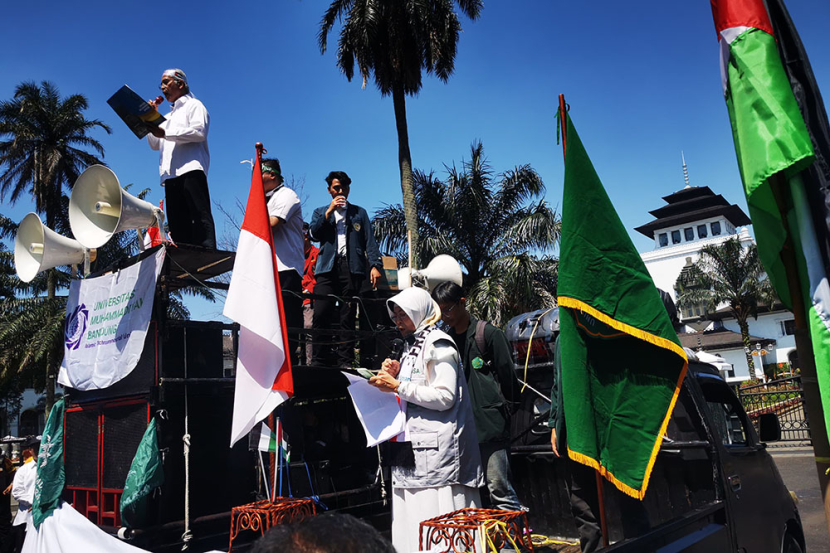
(698, 368)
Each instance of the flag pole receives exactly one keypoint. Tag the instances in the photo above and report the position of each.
(264, 475)
(603, 520)
(804, 347)
(272, 458)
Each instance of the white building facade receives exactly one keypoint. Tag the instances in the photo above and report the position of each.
(695, 217)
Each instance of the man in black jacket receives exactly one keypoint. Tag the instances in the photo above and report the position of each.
(489, 369)
(347, 247)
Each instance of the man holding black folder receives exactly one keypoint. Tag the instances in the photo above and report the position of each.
(183, 162)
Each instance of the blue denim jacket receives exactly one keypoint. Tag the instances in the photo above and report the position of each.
(360, 241)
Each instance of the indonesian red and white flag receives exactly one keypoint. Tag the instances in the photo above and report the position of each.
(263, 370)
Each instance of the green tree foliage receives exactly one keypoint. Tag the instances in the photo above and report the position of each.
(730, 274)
(43, 148)
(498, 227)
(395, 42)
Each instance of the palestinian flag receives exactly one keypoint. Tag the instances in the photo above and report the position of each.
(622, 364)
(768, 102)
(263, 439)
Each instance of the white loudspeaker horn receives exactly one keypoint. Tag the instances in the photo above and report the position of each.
(38, 248)
(99, 208)
(442, 268)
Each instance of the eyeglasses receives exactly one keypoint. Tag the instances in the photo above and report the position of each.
(444, 313)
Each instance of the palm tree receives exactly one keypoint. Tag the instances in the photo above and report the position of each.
(727, 273)
(496, 226)
(43, 142)
(395, 41)
(43, 148)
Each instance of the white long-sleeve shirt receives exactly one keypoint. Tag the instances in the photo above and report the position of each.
(184, 147)
(23, 490)
(437, 390)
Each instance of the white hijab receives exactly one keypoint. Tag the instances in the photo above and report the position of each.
(418, 306)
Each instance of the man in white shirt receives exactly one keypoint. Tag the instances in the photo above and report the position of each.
(183, 163)
(286, 217)
(23, 490)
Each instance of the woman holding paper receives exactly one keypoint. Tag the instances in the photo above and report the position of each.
(446, 471)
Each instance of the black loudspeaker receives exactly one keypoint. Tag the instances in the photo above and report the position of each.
(100, 443)
(220, 477)
(193, 349)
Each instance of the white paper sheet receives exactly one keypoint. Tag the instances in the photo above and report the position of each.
(379, 412)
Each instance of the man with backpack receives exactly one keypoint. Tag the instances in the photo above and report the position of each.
(489, 369)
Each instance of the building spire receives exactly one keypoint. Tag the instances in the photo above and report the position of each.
(685, 170)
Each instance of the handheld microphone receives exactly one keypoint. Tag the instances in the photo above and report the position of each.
(396, 349)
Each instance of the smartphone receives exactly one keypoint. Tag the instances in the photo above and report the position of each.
(366, 373)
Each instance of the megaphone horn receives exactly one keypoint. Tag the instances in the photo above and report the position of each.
(442, 268)
(38, 248)
(99, 208)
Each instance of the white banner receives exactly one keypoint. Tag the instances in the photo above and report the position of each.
(68, 531)
(106, 323)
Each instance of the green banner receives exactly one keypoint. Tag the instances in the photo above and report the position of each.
(146, 474)
(50, 473)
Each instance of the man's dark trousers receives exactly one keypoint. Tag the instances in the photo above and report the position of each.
(188, 210)
(291, 284)
(340, 282)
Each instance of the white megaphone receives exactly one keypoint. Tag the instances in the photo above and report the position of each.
(38, 248)
(99, 208)
(442, 268)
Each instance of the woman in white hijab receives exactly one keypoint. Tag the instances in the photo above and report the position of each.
(446, 471)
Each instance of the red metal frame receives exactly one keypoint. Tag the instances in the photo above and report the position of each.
(79, 496)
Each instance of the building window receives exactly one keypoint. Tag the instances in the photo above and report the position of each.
(701, 231)
(690, 234)
(675, 237)
(716, 228)
(788, 327)
(664, 240)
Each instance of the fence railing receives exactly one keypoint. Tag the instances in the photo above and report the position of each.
(783, 397)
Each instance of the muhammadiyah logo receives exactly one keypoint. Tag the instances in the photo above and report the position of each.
(75, 326)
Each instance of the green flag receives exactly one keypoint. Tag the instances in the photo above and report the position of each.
(772, 139)
(50, 474)
(622, 364)
(146, 474)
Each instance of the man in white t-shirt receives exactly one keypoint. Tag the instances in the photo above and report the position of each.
(286, 216)
(183, 163)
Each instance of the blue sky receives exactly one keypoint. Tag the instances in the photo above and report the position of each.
(642, 79)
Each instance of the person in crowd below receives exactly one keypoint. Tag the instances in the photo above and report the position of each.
(311, 251)
(346, 242)
(23, 491)
(183, 163)
(443, 472)
(286, 218)
(489, 370)
(325, 533)
(6, 478)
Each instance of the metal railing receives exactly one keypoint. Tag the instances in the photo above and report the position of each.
(785, 398)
